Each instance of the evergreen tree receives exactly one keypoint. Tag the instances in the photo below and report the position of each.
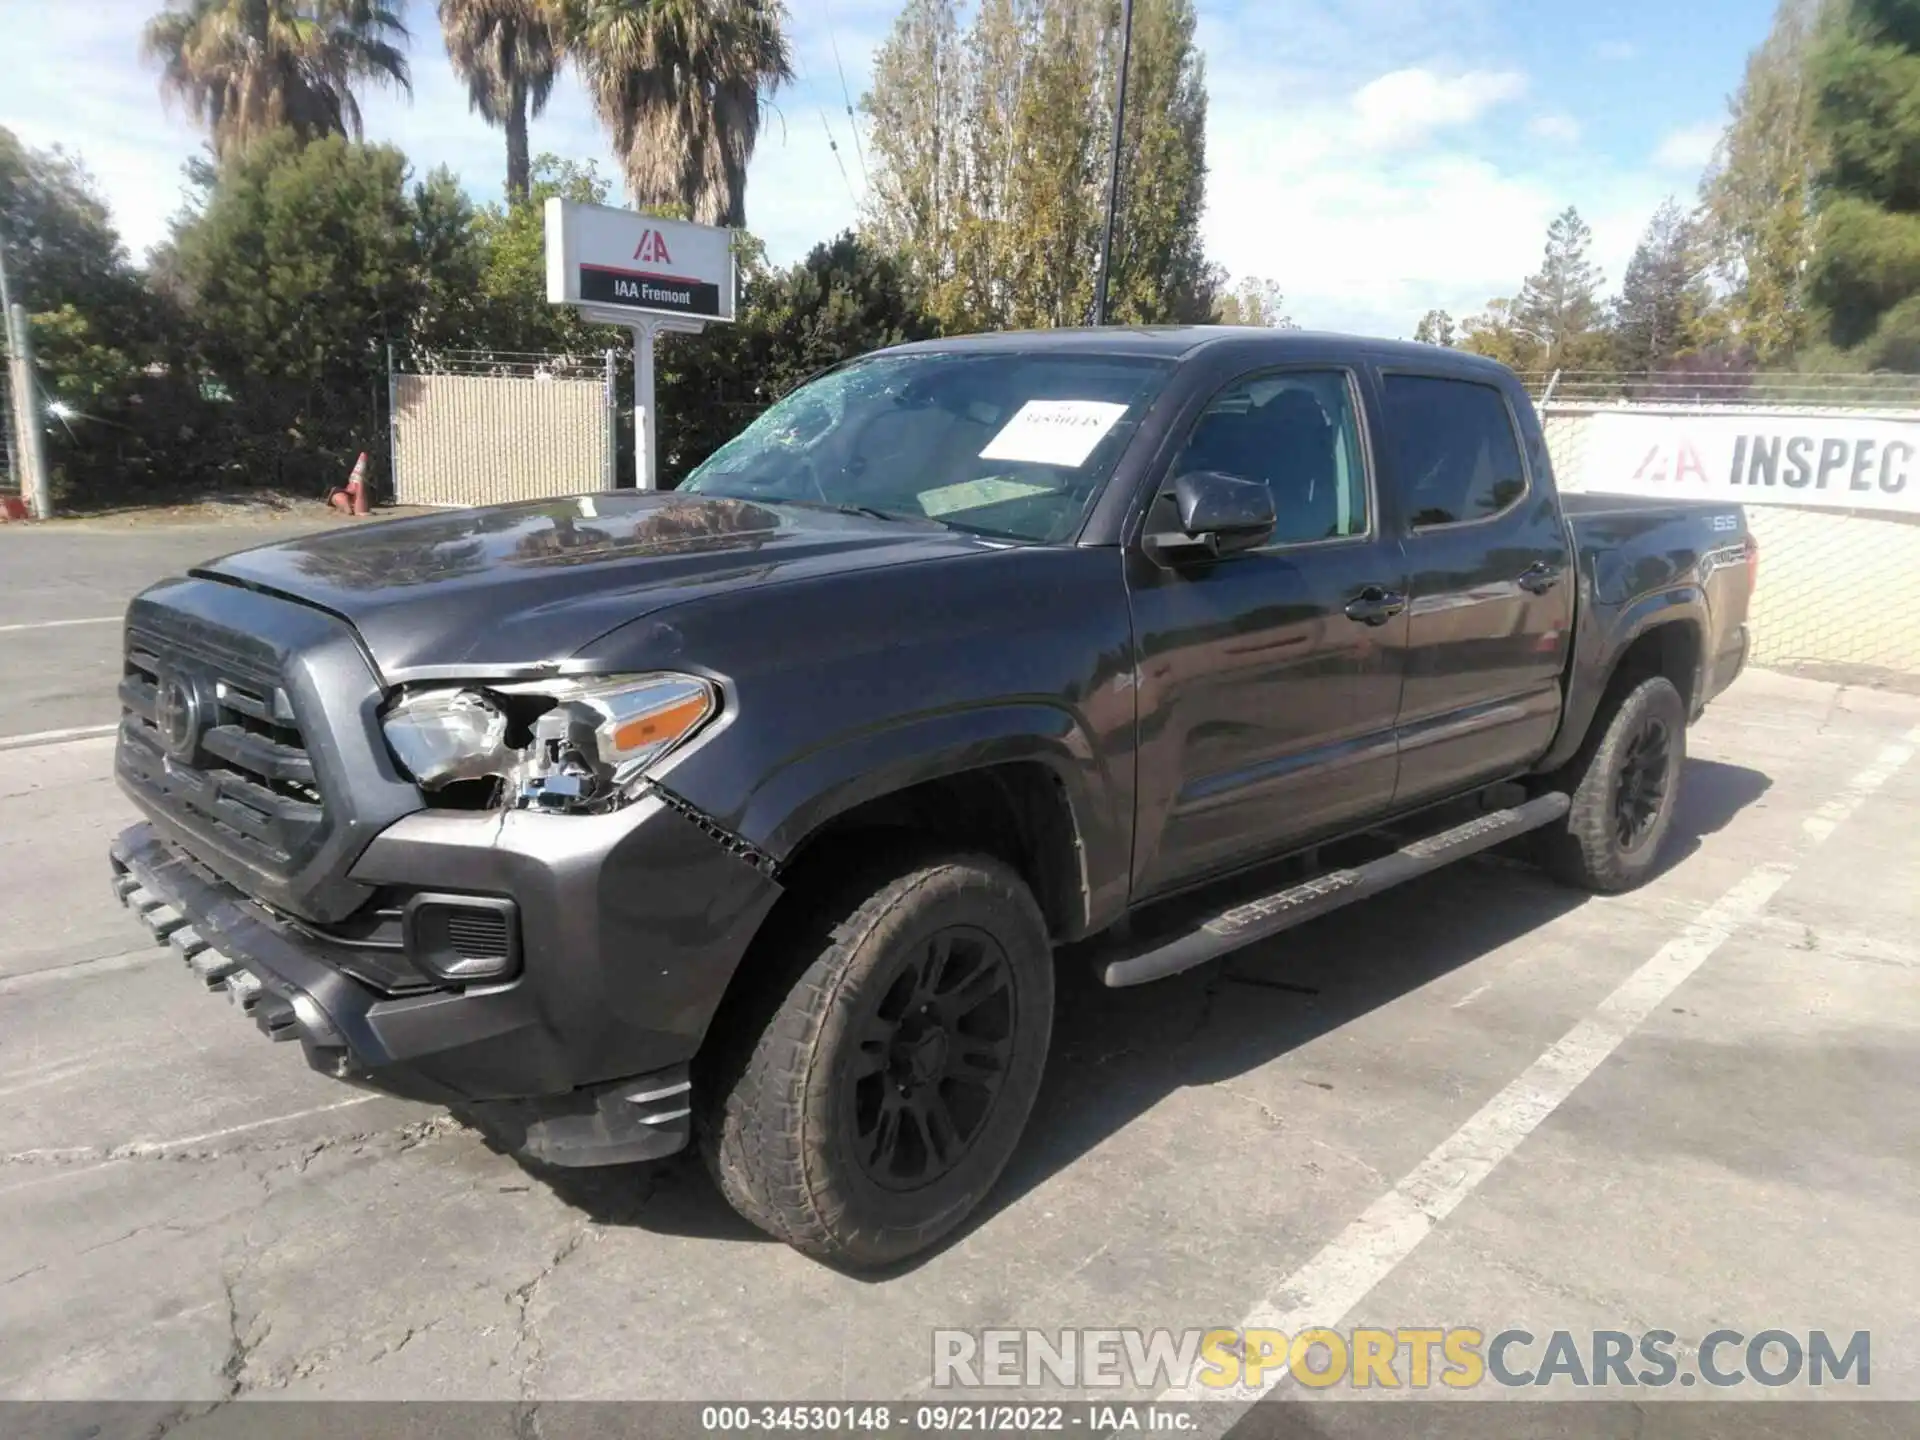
(1054, 208)
(101, 340)
(990, 156)
(915, 112)
(844, 299)
(1253, 301)
(1755, 194)
(1495, 334)
(1665, 303)
(1865, 276)
(1436, 327)
(302, 263)
(1559, 308)
(1159, 268)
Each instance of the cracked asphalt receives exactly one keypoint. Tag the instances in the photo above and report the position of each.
(191, 1217)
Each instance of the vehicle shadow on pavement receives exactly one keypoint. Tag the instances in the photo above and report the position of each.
(1117, 1053)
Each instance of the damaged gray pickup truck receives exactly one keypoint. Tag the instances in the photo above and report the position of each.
(756, 815)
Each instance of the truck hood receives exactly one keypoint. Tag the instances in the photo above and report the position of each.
(516, 589)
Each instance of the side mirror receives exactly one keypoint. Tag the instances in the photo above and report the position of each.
(1219, 515)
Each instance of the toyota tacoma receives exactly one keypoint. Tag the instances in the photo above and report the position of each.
(756, 814)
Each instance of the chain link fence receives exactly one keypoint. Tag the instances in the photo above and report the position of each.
(481, 428)
(1827, 468)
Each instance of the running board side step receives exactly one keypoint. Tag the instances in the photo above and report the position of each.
(1270, 914)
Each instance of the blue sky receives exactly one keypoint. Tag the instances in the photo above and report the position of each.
(1374, 157)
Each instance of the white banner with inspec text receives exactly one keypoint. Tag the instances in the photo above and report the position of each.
(1833, 462)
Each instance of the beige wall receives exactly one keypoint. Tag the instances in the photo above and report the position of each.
(1836, 587)
(480, 440)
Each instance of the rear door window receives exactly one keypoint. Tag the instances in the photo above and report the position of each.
(1455, 454)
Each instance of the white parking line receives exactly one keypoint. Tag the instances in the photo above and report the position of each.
(55, 737)
(57, 624)
(1323, 1291)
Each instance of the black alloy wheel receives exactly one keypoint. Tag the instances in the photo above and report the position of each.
(1640, 793)
(932, 1057)
(874, 1083)
(1623, 788)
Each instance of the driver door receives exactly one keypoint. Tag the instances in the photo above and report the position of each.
(1269, 679)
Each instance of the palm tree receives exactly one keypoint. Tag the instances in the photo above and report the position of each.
(244, 67)
(678, 85)
(507, 51)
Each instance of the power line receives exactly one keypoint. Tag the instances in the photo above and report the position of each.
(846, 95)
(834, 145)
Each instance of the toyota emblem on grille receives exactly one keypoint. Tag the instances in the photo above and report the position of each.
(176, 715)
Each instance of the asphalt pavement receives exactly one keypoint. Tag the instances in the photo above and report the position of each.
(1480, 1100)
(63, 591)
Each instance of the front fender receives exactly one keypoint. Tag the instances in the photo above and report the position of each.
(811, 789)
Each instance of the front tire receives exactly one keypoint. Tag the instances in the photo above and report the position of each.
(1624, 790)
(892, 1081)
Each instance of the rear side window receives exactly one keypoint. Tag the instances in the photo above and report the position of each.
(1454, 449)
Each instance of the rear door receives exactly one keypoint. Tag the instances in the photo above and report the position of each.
(1490, 584)
(1266, 710)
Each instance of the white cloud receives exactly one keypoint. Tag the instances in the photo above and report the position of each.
(1408, 106)
(1688, 148)
(1556, 126)
(1366, 239)
(1616, 50)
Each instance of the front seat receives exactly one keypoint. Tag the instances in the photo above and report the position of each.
(1299, 466)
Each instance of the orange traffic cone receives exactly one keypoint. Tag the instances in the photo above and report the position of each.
(352, 497)
(357, 485)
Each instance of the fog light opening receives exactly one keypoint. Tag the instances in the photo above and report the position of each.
(463, 939)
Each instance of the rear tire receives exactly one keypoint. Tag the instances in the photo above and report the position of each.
(889, 1085)
(1624, 789)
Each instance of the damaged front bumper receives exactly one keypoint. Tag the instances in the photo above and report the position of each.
(630, 925)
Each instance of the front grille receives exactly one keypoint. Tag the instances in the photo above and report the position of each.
(209, 734)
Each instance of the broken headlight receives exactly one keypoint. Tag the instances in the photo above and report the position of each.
(563, 744)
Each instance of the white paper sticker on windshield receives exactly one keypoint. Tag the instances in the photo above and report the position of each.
(977, 494)
(1054, 432)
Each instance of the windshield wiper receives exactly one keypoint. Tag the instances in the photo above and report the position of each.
(841, 508)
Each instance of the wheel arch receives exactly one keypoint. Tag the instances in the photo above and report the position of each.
(1663, 634)
(1052, 807)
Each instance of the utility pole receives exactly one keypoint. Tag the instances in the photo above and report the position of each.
(26, 408)
(6, 326)
(1113, 163)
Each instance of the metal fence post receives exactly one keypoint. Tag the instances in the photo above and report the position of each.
(393, 430)
(610, 467)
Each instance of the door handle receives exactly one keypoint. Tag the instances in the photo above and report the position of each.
(1539, 578)
(1375, 605)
